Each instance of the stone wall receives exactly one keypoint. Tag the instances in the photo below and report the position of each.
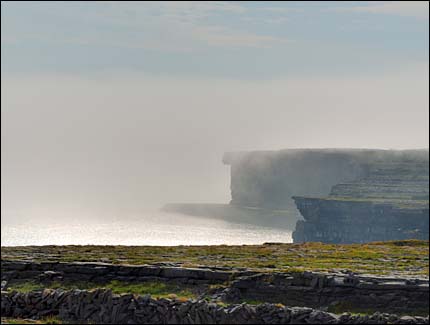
(101, 306)
(104, 272)
(318, 290)
(308, 289)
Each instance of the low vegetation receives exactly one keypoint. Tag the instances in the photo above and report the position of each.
(408, 257)
(156, 289)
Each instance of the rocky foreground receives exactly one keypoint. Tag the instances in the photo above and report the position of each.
(102, 307)
(376, 283)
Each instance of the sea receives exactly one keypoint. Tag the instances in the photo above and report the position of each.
(158, 228)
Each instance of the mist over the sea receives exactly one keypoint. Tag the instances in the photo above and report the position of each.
(102, 148)
(110, 110)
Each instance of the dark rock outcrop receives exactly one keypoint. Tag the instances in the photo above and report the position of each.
(334, 220)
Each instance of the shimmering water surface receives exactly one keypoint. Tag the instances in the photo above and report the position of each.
(163, 229)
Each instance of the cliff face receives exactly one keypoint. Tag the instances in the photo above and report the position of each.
(344, 195)
(390, 202)
(333, 220)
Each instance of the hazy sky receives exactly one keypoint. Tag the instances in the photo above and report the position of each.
(109, 108)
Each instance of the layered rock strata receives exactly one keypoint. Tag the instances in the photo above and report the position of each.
(348, 220)
(391, 202)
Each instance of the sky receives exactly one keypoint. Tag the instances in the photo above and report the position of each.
(111, 107)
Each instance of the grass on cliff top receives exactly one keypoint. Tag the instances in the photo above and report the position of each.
(408, 257)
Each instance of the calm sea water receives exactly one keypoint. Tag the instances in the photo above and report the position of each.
(162, 229)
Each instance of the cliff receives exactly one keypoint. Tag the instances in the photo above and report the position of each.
(344, 195)
(340, 220)
(390, 202)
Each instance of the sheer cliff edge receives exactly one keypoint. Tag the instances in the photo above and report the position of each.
(344, 195)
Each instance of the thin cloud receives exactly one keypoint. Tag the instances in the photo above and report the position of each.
(281, 10)
(417, 9)
(220, 36)
(165, 26)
